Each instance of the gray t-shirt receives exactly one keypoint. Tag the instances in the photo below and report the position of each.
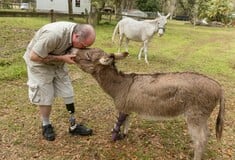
(52, 39)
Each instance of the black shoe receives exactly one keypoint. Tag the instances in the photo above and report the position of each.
(48, 132)
(80, 130)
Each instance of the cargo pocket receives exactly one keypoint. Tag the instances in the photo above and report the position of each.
(62, 74)
(34, 94)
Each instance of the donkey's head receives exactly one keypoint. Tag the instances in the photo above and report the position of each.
(161, 22)
(91, 60)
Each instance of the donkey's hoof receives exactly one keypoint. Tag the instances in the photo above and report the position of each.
(117, 136)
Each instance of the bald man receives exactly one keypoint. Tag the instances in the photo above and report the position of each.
(46, 58)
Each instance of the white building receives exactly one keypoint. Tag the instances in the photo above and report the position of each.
(61, 6)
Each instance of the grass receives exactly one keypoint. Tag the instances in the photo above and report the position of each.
(183, 48)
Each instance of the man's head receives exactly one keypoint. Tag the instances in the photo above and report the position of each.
(83, 36)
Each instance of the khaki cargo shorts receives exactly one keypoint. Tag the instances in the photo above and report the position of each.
(47, 82)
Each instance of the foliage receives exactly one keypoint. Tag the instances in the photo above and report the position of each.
(215, 10)
(149, 5)
(102, 3)
(186, 7)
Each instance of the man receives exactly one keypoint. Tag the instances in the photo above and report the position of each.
(46, 57)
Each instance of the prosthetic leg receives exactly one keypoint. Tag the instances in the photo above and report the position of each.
(76, 129)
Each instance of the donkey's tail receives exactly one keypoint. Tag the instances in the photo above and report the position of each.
(220, 118)
(114, 32)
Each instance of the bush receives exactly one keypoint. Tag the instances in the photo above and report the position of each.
(215, 10)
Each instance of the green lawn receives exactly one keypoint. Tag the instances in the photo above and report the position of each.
(206, 50)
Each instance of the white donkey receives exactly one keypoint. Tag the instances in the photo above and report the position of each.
(140, 31)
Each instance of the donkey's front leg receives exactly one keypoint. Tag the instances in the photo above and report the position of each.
(146, 51)
(116, 135)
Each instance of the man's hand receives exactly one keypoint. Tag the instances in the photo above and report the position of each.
(67, 58)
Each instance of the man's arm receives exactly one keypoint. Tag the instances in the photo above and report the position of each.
(67, 58)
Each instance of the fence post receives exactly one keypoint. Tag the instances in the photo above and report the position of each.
(86, 16)
(110, 17)
(52, 15)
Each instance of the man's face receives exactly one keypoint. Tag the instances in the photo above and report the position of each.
(77, 43)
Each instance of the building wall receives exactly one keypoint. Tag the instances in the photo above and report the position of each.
(62, 6)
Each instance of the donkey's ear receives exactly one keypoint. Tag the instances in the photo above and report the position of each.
(106, 60)
(119, 56)
(159, 14)
(168, 15)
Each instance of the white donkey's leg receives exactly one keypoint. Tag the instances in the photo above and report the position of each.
(140, 52)
(127, 42)
(146, 51)
(120, 42)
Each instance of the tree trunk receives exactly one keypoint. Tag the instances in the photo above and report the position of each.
(172, 8)
(118, 9)
(93, 16)
(127, 4)
(99, 17)
(195, 13)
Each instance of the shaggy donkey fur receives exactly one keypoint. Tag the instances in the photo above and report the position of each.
(158, 95)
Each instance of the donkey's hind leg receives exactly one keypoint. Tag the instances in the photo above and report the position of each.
(199, 132)
(127, 42)
(120, 42)
(140, 52)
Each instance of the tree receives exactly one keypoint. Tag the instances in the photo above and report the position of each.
(99, 5)
(215, 10)
(188, 7)
(169, 6)
(118, 8)
(150, 5)
(127, 4)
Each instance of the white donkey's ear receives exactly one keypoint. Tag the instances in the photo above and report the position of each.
(119, 56)
(168, 15)
(159, 14)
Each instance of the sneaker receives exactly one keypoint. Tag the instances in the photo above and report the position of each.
(79, 129)
(48, 132)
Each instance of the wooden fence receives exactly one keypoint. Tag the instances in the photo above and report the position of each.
(91, 18)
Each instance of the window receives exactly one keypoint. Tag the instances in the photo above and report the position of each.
(77, 3)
